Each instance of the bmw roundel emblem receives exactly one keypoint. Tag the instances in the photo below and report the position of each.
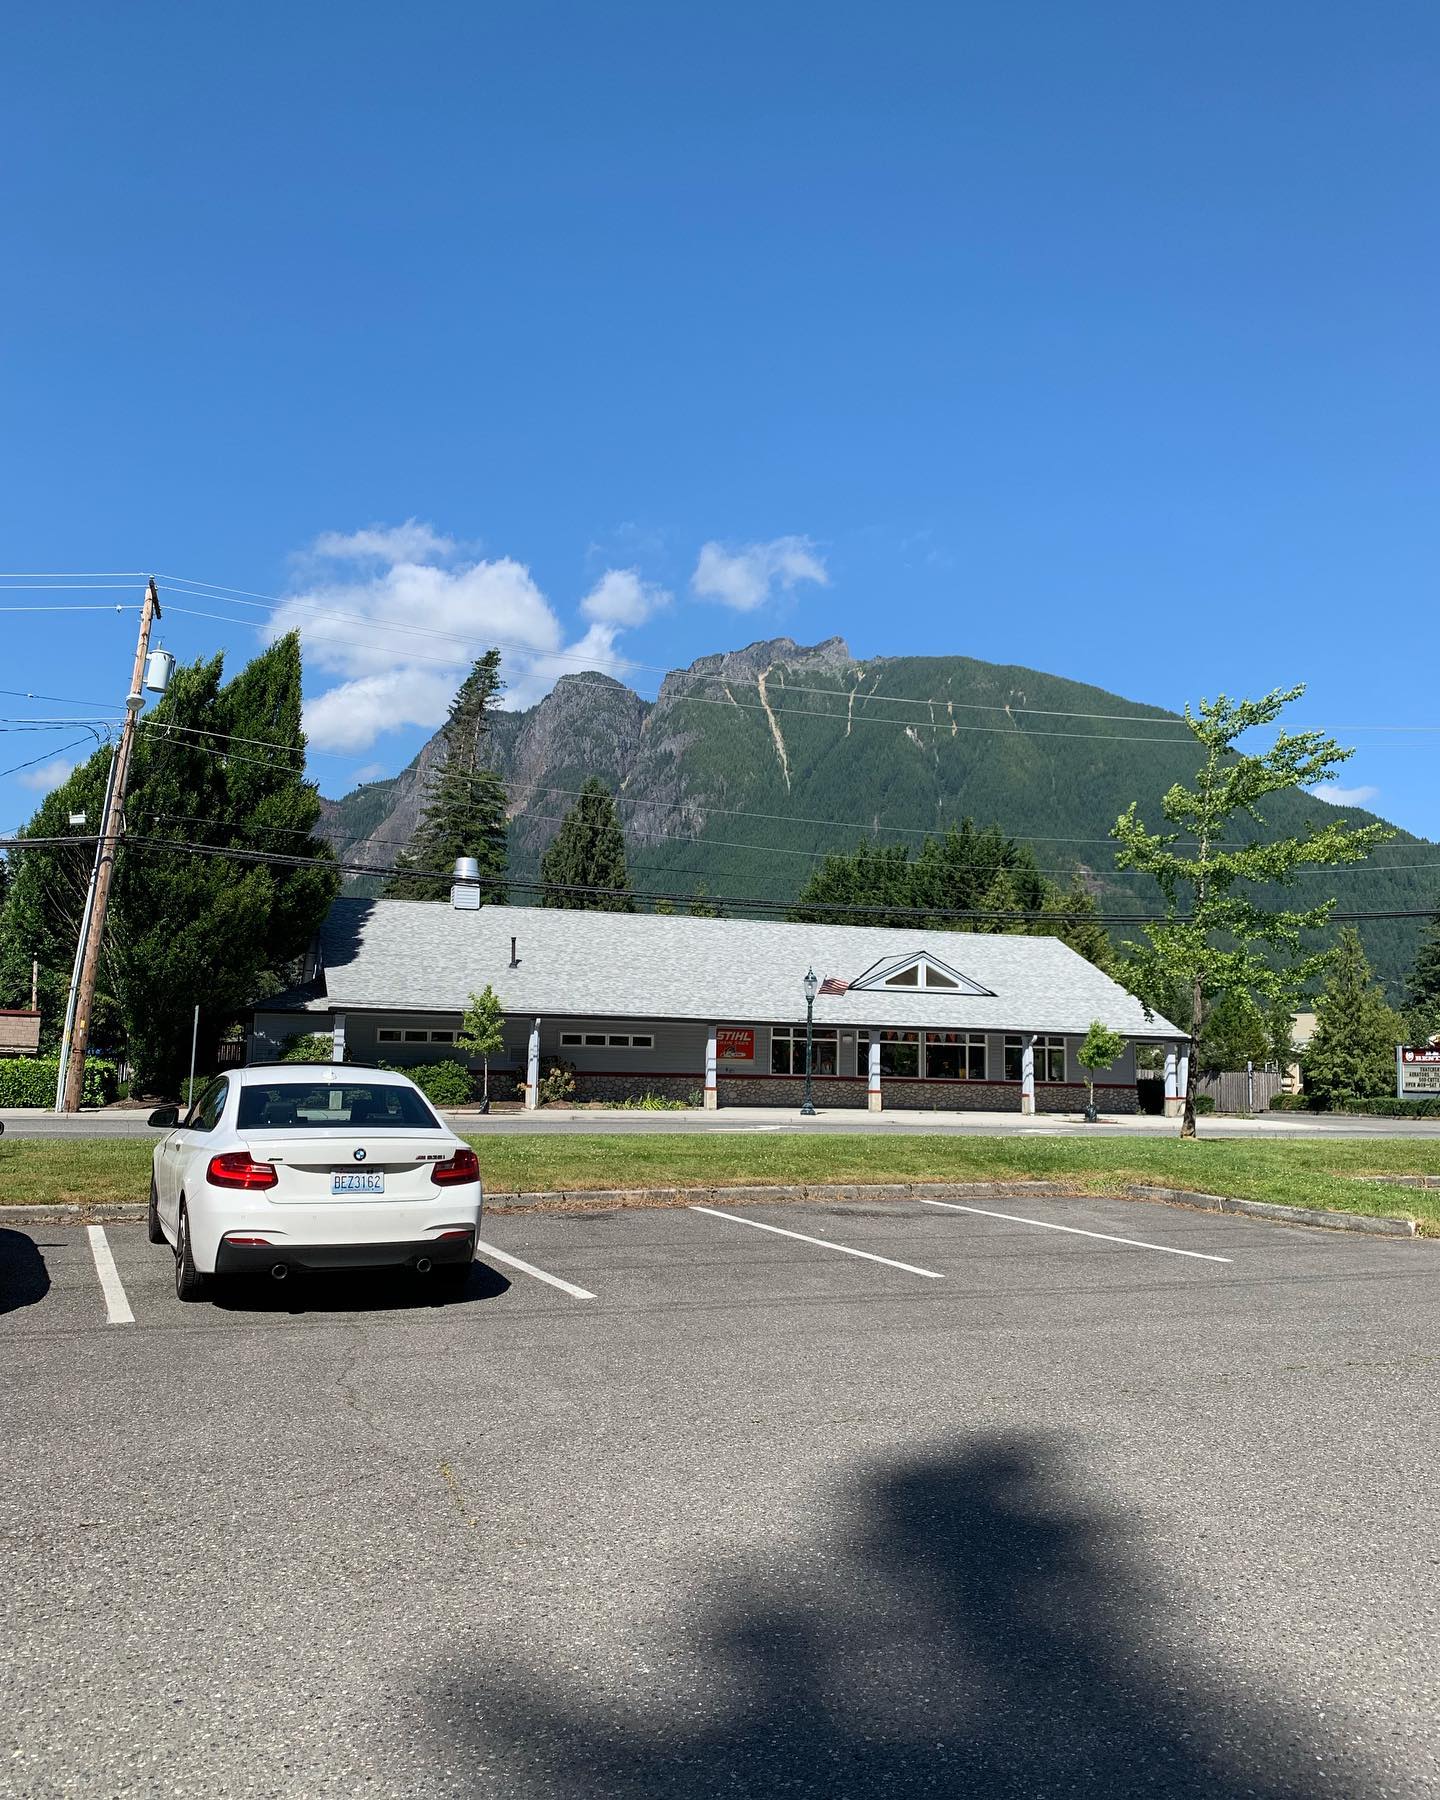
(359, 1156)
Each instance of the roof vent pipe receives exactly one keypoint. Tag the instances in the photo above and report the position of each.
(465, 890)
(514, 955)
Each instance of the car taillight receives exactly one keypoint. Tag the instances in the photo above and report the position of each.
(248, 1243)
(237, 1169)
(464, 1165)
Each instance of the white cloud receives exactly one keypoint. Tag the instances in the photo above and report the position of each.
(399, 621)
(47, 777)
(371, 771)
(414, 541)
(1345, 796)
(620, 597)
(746, 577)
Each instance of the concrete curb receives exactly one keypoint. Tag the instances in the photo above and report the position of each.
(853, 1193)
(1284, 1215)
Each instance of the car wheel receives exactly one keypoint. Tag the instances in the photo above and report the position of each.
(189, 1282)
(153, 1229)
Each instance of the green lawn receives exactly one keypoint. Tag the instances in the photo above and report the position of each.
(1294, 1172)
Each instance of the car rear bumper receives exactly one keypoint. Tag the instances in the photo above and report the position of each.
(260, 1259)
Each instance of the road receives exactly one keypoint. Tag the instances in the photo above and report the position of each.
(988, 1509)
(127, 1123)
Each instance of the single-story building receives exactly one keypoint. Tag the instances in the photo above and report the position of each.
(663, 1004)
(19, 1031)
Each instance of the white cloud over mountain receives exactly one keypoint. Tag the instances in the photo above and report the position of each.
(398, 616)
(746, 577)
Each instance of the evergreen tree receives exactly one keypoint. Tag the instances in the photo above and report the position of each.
(1076, 923)
(1422, 996)
(464, 812)
(1352, 1053)
(961, 870)
(214, 765)
(701, 905)
(588, 851)
(1235, 1033)
(1002, 896)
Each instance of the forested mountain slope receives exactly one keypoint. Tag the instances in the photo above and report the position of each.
(750, 765)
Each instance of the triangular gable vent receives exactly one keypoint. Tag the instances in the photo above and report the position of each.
(918, 971)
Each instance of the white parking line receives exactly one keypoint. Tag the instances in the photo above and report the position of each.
(824, 1243)
(504, 1256)
(1105, 1236)
(117, 1307)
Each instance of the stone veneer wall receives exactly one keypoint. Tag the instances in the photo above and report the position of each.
(899, 1096)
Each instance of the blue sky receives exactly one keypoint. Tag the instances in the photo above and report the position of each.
(1096, 337)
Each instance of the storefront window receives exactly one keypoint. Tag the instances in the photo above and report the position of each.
(899, 1054)
(1049, 1059)
(954, 1056)
(787, 1050)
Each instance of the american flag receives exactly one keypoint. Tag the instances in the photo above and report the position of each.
(832, 984)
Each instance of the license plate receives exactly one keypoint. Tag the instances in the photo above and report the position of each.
(357, 1181)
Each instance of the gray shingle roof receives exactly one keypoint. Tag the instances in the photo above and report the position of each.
(414, 955)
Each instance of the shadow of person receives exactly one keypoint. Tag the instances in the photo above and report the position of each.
(964, 1625)
(24, 1279)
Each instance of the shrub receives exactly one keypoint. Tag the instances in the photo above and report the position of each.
(443, 1083)
(30, 1081)
(1204, 1103)
(1394, 1108)
(308, 1047)
(1293, 1103)
(651, 1103)
(557, 1082)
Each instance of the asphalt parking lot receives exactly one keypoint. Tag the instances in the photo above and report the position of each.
(883, 1499)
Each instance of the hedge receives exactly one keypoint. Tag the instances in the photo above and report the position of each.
(1385, 1108)
(30, 1081)
(443, 1083)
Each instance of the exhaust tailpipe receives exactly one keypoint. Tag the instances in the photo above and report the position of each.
(422, 1265)
(280, 1271)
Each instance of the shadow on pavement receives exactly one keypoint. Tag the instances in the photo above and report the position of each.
(964, 1626)
(381, 1290)
(24, 1279)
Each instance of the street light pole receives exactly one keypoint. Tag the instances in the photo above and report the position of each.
(807, 1108)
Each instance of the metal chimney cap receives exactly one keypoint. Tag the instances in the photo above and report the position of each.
(467, 868)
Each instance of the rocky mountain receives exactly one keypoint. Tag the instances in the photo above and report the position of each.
(751, 764)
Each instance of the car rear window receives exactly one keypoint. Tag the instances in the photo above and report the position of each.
(319, 1106)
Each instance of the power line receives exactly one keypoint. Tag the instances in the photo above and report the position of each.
(117, 608)
(17, 767)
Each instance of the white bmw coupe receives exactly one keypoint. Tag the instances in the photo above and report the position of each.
(299, 1166)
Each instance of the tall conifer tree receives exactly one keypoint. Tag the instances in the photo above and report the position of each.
(215, 765)
(1353, 1050)
(1422, 997)
(588, 851)
(464, 812)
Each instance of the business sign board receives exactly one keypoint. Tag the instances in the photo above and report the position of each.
(734, 1043)
(1417, 1071)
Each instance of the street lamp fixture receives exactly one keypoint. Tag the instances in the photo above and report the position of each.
(812, 987)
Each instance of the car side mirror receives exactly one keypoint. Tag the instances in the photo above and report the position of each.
(165, 1118)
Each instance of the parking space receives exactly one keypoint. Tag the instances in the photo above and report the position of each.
(670, 1504)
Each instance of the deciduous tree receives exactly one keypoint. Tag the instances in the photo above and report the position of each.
(1217, 934)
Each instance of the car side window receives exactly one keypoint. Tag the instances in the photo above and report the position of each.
(205, 1114)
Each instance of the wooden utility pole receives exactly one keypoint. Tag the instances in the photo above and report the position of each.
(112, 825)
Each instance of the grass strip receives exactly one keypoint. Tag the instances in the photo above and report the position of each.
(1292, 1172)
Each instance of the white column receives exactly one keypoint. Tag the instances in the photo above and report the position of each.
(1172, 1103)
(337, 1041)
(1027, 1074)
(532, 1070)
(1182, 1080)
(712, 1091)
(874, 1099)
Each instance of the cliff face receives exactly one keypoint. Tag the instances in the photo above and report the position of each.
(589, 724)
